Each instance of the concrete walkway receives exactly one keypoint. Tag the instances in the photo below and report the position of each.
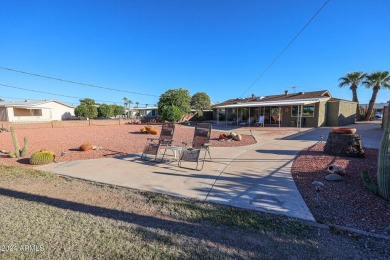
(255, 177)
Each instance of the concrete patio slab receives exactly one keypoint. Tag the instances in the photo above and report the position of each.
(256, 177)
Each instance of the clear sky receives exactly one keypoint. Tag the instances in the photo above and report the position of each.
(218, 47)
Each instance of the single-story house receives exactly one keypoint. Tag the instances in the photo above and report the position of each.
(378, 107)
(303, 109)
(34, 111)
(144, 111)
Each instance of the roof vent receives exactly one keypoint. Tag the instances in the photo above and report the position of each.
(286, 92)
(301, 93)
(253, 96)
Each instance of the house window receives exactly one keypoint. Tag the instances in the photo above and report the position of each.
(308, 111)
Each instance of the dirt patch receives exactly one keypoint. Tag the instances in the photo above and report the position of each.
(115, 140)
(346, 202)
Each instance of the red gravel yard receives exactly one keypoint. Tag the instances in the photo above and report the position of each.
(115, 140)
(346, 202)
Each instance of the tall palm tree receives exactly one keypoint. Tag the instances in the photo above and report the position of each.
(125, 104)
(129, 102)
(353, 79)
(375, 80)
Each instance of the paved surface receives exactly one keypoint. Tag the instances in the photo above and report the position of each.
(256, 177)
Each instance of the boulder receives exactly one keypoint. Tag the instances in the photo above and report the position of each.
(86, 147)
(235, 136)
(333, 177)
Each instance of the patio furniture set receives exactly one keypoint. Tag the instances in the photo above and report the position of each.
(188, 152)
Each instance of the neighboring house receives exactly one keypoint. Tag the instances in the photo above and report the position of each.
(144, 111)
(34, 111)
(378, 107)
(312, 109)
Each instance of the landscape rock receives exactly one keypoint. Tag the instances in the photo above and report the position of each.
(333, 177)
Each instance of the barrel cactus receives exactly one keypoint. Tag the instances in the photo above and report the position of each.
(383, 173)
(42, 157)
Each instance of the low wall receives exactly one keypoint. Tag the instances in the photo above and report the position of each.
(68, 123)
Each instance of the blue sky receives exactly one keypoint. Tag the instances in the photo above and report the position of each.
(217, 47)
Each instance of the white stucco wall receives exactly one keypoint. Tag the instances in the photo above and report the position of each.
(51, 111)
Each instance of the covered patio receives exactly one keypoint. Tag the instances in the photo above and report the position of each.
(289, 113)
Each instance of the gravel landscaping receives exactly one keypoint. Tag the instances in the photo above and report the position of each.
(115, 140)
(347, 202)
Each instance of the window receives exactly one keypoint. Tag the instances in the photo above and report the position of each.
(308, 111)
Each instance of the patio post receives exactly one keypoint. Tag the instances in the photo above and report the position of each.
(249, 118)
(279, 115)
(226, 115)
(237, 117)
(217, 116)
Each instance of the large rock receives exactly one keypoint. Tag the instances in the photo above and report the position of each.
(333, 177)
(347, 145)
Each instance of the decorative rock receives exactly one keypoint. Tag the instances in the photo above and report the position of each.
(333, 177)
(235, 136)
(86, 147)
(348, 145)
(344, 130)
(334, 168)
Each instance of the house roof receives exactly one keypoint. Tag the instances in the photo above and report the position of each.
(29, 104)
(301, 98)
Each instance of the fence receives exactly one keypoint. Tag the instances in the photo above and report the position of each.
(68, 123)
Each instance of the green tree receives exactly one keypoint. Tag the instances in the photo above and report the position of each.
(176, 101)
(171, 113)
(375, 81)
(84, 110)
(105, 110)
(353, 80)
(87, 101)
(200, 101)
(117, 110)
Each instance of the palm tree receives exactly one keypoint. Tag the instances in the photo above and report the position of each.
(125, 104)
(129, 102)
(375, 80)
(353, 79)
(137, 103)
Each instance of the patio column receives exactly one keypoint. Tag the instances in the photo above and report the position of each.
(217, 116)
(249, 119)
(226, 115)
(237, 117)
(280, 108)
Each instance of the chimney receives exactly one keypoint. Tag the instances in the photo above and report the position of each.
(286, 92)
(253, 96)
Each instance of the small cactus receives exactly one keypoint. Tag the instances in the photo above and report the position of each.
(24, 150)
(18, 152)
(16, 143)
(42, 157)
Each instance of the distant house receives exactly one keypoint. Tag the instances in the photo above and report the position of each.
(308, 109)
(144, 111)
(34, 110)
(378, 107)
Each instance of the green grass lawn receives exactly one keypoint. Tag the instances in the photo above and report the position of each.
(47, 216)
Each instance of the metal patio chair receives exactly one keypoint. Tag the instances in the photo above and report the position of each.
(154, 146)
(201, 142)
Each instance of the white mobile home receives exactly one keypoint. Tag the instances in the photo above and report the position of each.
(34, 111)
